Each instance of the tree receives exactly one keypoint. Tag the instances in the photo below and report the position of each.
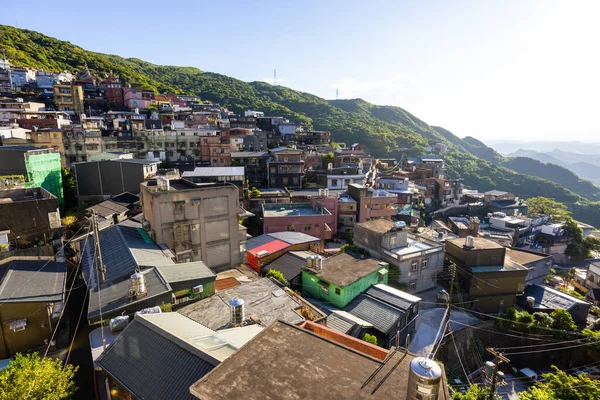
(327, 158)
(273, 273)
(525, 318)
(474, 393)
(27, 376)
(370, 339)
(543, 205)
(542, 319)
(69, 189)
(562, 320)
(562, 386)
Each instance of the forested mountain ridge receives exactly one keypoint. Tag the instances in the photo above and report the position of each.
(387, 131)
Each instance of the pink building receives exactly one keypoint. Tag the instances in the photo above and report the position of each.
(138, 98)
(311, 218)
(373, 203)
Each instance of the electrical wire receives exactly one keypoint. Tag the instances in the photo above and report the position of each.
(62, 312)
(460, 360)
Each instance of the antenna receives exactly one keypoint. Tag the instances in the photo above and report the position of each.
(275, 77)
(337, 94)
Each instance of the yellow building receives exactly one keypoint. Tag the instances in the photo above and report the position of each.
(50, 139)
(69, 98)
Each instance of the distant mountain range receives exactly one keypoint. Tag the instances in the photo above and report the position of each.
(510, 146)
(586, 166)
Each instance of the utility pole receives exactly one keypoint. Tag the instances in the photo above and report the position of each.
(100, 264)
(452, 268)
(498, 358)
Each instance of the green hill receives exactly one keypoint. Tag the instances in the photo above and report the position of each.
(387, 131)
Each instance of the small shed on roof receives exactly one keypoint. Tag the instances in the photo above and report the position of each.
(272, 248)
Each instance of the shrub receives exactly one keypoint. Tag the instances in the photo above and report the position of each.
(273, 273)
(370, 339)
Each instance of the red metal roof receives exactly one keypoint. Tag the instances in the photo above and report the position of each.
(271, 247)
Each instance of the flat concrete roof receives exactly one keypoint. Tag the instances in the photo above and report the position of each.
(344, 269)
(292, 209)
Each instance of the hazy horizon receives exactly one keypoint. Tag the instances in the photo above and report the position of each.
(516, 70)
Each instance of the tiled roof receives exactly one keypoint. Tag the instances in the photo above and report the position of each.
(33, 281)
(152, 364)
(107, 208)
(383, 316)
(290, 264)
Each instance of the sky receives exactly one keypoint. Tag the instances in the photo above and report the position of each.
(495, 70)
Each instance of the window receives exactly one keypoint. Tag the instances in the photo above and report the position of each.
(412, 285)
(591, 278)
(393, 241)
(495, 258)
(307, 228)
(291, 228)
(414, 266)
(338, 291)
(334, 182)
(284, 180)
(324, 287)
(296, 180)
(179, 207)
(424, 263)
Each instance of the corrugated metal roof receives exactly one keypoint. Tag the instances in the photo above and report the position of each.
(152, 365)
(250, 154)
(33, 281)
(270, 247)
(294, 237)
(186, 272)
(289, 264)
(214, 171)
(383, 316)
(392, 296)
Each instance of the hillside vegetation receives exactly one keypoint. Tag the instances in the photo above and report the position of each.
(387, 131)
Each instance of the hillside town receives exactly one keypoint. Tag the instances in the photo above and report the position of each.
(173, 249)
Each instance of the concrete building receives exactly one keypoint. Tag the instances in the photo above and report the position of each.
(373, 203)
(538, 264)
(28, 215)
(286, 168)
(32, 295)
(100, 180)
(311, 218)
(198, 223)
(38, 167)
(415, 261)
(69, 98)
(491, 280)
(50, 138)
(347, 214)
(464, 226)
(255, 166)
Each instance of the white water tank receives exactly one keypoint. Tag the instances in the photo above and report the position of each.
(424, 379)
(318, 260)
(162, 183)
(237, 311)
(469, 242)
(137, 285)
(530, 301)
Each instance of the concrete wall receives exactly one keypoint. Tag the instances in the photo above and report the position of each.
(12, 163)
(476, 258)
(38, 327)
(108, 178)
(28, 219)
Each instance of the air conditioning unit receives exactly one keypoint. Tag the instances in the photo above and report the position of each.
(197, 289)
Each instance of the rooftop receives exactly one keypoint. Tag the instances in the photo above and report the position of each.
(383, 316)
(33, 281)
(290, 264)
(250, 154)
(288, 362)
(479, 243)
(263, 300)
(344, 269)
(344, 322)
(460, 222)
(414, 245)
(292, 210)
(525, 257)
(136, 161)
(214, 171)
(162, 355)
(29, 194)
(288, 237)
(392, 296)
(548, 298)
(182, 184)
(496, 193)
(377, 225)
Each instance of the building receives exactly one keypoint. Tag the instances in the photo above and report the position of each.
(310, 218)
(162, 355)
(234, 175)
(340, 278)
(69, 98)
(373, 203)
(263, 249)
(114, 91)
(138, 98)
(286, 168)
(290, 265)
(389, 311)
(264, 304)
(29, 215)
(491, 280)
(415, 261)
(464, 226)
(198, 223)
(115, 210)
(592, 280)
(538, 264)
(39, 167)
(499, 201)
(126, 249)
(333, 365)
(540, 298)
(347, 214)
(50, 138)
(99, 180)
(32, 295)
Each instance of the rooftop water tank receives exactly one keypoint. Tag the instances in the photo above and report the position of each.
(237, 311)
(424, 379)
